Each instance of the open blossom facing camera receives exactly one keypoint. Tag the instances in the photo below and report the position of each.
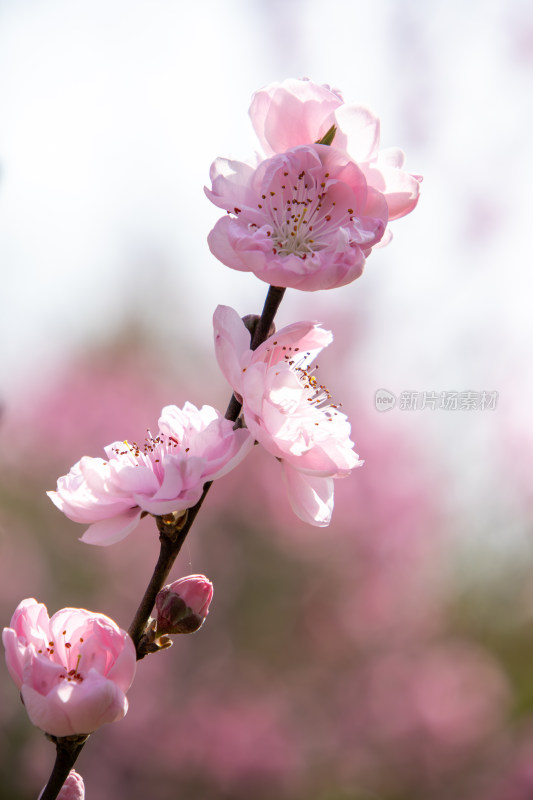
(165, 474)
(286, 410)
(308, 216)
(304, 219)
(73, 669)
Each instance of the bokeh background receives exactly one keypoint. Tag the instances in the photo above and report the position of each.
(388, 656)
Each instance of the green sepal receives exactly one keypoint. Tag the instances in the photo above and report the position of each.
(328, 136)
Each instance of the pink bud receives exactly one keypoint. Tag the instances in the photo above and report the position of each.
(183, 605)
(73, 788)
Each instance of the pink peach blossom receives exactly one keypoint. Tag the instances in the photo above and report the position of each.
(73, 788)
(304, 219)
(73, 669)
(165, 474)
(287, 411)
(182, 606)
(297, 112)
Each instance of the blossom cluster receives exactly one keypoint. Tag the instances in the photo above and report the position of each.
(305, 215)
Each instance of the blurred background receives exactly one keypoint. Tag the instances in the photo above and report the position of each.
(388, 656)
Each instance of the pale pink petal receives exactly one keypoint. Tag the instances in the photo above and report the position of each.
(218, 241)
(51, 717)
(358, 132)
(391, 157)
(181, 488)
(302, 339)
(30, 616)
(94, 702)
(138, 480)
(229, 183)
(400, 189)
(72, 789)
(232, 344)
(292, 113)
(377, 210)
(311, 498)
(242, 444)
(122, 671)
(112, 530)
(14, 652)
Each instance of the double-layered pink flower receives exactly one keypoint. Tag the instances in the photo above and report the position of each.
(309, 215)
(304, 219)
(296, 112)
(287, 411)
(73, 669)
(165, 474)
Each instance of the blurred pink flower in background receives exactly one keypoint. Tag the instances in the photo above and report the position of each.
(73, 669)
(285, 694)
(287, 411)
(182, 606)
(73, 788)
(165, 474)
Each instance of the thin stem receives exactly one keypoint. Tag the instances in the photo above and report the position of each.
(172, 538)
(273, 299)
(167, 556)
(234, 409)
(172, 534)
(67, 751)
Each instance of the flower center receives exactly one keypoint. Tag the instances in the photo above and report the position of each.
(301, 206)
(316, 396)
(153, 449)
(72, 672)
(301, 214)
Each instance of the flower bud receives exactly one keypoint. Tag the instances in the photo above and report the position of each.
(183, 605)
(73, 788)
